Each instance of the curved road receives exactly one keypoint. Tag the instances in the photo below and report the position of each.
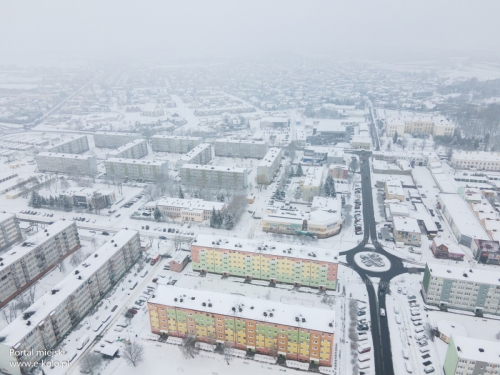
(380, 328)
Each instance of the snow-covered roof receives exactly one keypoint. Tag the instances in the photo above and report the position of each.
(405, 224)
(158, 163)
(477, 349)
(127, 146)
(5, 216)
(265, 247)
(270, 157)
(481, 276)
(214, 168)
(118, 134)
(314, 176)
(65, 156)
(322, 320)
(176, 137)
(449, 328)
(476, 156)
(195, 151)
(187, 204)
(227, 140)
(326, 204)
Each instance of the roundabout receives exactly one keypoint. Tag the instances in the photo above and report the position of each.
(371, 261)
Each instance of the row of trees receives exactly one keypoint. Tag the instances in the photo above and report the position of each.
(231, 216)
(37, 201)
(329, 187)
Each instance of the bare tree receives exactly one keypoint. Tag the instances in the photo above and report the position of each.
(9, 312)
(93, 241)
(328, 300)
(77, 257)
(31, 294)
(228, 351)
(90, 362)
(134, 353)
(188, 348)
(60, 265)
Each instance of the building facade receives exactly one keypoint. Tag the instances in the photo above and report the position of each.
(240, 148)
(273, 261)
(406, 230)
(113, 139)
(147, 170)
(90, 197)
(435, 125)
(268, 166)
(9, 230)
(201, 154)
(60, 310)
(214, 176)
(66, 163)
(26, 263)
(463, 289)
(133, 150)
(482, 160)
(311, 184)
(289, 331)
(192, 209)
(174, 143)
(76, 145)
(466, 355)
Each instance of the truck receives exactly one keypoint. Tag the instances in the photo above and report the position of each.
(155, 260)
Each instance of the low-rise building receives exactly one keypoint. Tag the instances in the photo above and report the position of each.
(486, 251)
(268, 166)
(361, 143)
(335, 156)
(146, 170)
(24, 264)
(90, 197)
(45, 323)
(174, 143)
(419, 158)
(291, 332)
(339, 171)
(311, 185)
(394, 189)
(152, 109)
(482, 160)
(467, 289)
(406, 230)
(75, 145)
(9, 230)
(446, 249)
(178, 261)
(240, 148)
(273, 261)
(113, 139)
(420, 124)
(201, 154)
(187, 209)
(133, 150)
(214, 176)
(66, 163)
(467, 355)
(274, 122)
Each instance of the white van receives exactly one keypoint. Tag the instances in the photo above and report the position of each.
(406, 354)
(409, 369)
(83, 341)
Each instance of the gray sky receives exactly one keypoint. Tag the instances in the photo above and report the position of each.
(198, 28)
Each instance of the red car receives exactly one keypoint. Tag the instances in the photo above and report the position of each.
(132, 311)
(155, 279)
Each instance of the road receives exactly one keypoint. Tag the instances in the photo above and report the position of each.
(382, 351)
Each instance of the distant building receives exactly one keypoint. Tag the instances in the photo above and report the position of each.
(415, 158)
(76, 145)
(192, 209)
(406, 230)
(113, 139)
(361, 143)
(481, 160)
(339, 172)
(146, 170)
(274, 122)
(214, 176)
(66, 163)
(9, 230)
(420, 124)
(201, 154)
(335, 156)
(152, 110)
(467, 355)
(268, 166)
(178, 261)
(174, 143)
(136, 149)
(240, 148)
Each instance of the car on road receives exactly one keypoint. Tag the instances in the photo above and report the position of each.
(163, 238)
(361, 312)
(382, 312)
(132, 311)
(105, 233)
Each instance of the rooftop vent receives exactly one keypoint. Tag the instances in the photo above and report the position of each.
(95, 255)
(481, 350)
(77, 272)
(204, 304)
(330, 324)
(303, 320)
(175, 299)
(265, 313)
(209, 305)
(193, 298)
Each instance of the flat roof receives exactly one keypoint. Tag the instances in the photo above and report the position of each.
(214, 168)
(244, 141)
(176, 137)
(49, 302)
(477, 349)
(322, 320)
(118, 134)
(270, 157)
(188, 204)
(136, 161)
(405, 224)
(266, 247)
(195, 151)
(476, 155)
(314, 176)
(126, 146)
(5, 216)
(462, 273)
(65, 156)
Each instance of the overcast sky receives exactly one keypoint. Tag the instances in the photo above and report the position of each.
(199, 28)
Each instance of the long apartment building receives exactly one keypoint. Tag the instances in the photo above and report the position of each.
(419, 158)
(461, 288)
(133, 150)
(9, 230)
(260, 326)
(113, 139)
(26, 263)
(435, 125)
(240, 148)
(481, 160)
(273, 261)
(268, 166)
(45, 323)
(148, 170)
(174, 143)
(193, 209)
(214, 176)
(467, 355)
(66, 163)
(201, 154)
(76, 145)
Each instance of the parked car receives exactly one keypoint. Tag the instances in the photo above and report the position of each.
(132, 311)
(163, 238)
(361, 312)
(105, 233)
(422, 343)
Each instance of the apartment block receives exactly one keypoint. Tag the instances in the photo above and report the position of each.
(467, 355)
(408, 123)
(133, 150)
(461, 288)
(113, 139)
(24, 264)
(214, 176)
(272, 261)
(260, 326)
(76, 145)
(201, 154)
(240, 148)
(147, 170)
(45, 323)
(193, 209)
(482, 160)
(66, 163)
(311, 184)
(268, 166)
(174, 143)
(9, 230)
